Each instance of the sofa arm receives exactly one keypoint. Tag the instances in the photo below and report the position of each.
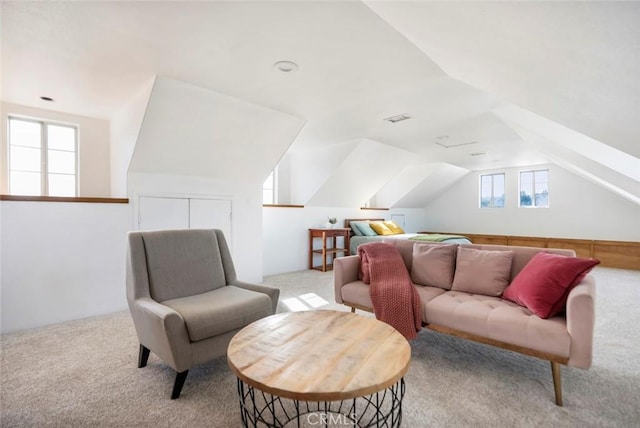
(345, 270)
(272, 292)
(581, 321)
(163, 331)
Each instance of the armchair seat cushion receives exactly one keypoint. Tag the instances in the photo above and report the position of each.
(220, 311)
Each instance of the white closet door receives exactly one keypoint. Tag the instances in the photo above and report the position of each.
(211, 214)
(163, 213)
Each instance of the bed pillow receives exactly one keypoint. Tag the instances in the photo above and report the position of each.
(355, 229)
(433, 264)
(380, 228)
(544, 284)
(397, 230)
(365, 228)
(482, 271)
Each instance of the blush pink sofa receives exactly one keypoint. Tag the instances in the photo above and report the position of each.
(566, 338)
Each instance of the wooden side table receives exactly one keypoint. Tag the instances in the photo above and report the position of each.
(313, 366)
(328, 252)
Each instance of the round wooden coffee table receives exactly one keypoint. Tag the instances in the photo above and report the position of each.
(319, 368)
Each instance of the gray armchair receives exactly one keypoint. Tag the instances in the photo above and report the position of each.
(185, 300)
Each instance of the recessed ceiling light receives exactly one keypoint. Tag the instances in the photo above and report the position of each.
(398, 118)
(442, 137)
(285, 66)
(46, 99)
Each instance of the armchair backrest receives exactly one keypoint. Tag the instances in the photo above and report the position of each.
(168, 264)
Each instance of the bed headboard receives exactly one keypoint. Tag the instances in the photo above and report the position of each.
(347, 221)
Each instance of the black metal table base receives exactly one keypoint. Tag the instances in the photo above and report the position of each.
(382, 409)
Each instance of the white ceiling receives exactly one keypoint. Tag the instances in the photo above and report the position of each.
(449, 65)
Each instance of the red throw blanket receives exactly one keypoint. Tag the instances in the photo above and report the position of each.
(395, 299)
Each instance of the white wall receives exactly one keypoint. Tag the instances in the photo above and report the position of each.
(93, 148)
(61, 261)
(286, 231)
(246, 219)
(578, 209)
(125, 127)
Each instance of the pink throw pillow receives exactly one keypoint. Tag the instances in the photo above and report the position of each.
(434, 264)
(543, 285)
(482, 271)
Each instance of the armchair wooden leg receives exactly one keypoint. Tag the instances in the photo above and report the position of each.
(557, 385)
(143, 356)
(353, 310)
(177, 386)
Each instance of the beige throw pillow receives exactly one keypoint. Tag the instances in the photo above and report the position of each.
(482, 271)
(433, 264)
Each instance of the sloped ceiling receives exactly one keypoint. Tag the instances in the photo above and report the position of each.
(191, 131)
(574, 64)
(455, 67)
(378, 162)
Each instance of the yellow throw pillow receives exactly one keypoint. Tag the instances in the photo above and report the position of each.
(397, 230)
(380, 228)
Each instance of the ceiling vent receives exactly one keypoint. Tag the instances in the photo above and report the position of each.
(398, 118)
(449, 146)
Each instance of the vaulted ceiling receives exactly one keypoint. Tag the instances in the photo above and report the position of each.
(486, 84)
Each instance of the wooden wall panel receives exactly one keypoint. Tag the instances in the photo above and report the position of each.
(485, 239)
(617, 254)
(525, 241)
(582, 248)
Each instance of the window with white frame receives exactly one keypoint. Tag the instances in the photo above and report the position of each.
(534, 188)
(42, 158)
(270, 188)
(492, 190)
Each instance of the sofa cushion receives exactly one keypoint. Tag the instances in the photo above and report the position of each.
(499, 319)
(482, 271)
(357, 292)
(521, 255)
(220, 311)
(543, 285)
(433, 264)
(427, 294)
(405, 246)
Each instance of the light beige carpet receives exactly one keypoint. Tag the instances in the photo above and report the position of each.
(83, 374)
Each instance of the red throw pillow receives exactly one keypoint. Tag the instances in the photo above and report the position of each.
(543, 285)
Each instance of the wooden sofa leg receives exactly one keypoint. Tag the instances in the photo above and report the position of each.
(143, 356)
(557, 385)
(177, 386)
(353, 310)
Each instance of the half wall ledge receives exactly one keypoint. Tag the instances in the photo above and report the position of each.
(63, 199)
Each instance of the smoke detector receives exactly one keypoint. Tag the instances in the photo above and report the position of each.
(286, 66)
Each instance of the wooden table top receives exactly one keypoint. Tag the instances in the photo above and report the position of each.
(319, 355)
